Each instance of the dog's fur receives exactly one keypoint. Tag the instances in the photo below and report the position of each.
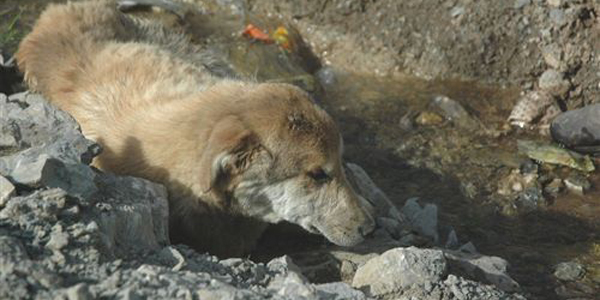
(233, 154)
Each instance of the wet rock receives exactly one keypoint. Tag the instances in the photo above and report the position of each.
(490, 269)
(400, 268)
(553, 82)
(422, 220)
(554, 187)
(578, 129)
(427, 118)
(553, 154)
(7, 190)
(531, 199)
(577, 183)
(569, 271)
(455, 112)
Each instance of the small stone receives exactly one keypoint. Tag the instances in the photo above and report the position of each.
(79, 291)
(553, 56)
(452, 241)
(338, 291)
(454, 111)
(457, 11)
(569, 271)
(58, 238)
(577, 183)
(554, 187)
(7, 190)
(468, 248)
(578, 129)
(427, 118)
(521, 3)
(423, 220)
(555, 3)
(553, 82)
(558, 17)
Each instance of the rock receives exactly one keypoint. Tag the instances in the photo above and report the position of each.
(578, 129)
(553, 154)
(422, 220)
(490, 269)
(58, 238)
(554, 83)
(555, 3)
(338, 291)
(428, 118)
(134, 216)
(452, 240)
(530, 107)
(558, 17)
(79, 291)
(43, 170)
(553, 56)
(386, 214)
(577, 183)
(7, 190)
(554, 187)
(468, 248)
(400, 268)
(455, 112)
(569, 271)
(326, 76)
(521, 3)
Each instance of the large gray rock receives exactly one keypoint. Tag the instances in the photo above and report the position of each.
(578, 129)
(399, 269)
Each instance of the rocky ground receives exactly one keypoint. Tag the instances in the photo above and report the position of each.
(447, 106)
(69, 231)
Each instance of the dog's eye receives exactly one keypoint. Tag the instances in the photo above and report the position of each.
(318, 175)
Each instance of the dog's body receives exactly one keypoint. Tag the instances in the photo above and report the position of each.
(233, 154)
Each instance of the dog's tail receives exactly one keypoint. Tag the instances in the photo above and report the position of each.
(57, 52)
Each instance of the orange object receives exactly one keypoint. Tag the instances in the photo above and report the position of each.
(254, 32)
(281, 37)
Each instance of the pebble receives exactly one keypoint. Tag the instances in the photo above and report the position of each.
(558, 17)
(569, 271)
(555, 3)
(521, 3)
(553, 82)
(577, 183)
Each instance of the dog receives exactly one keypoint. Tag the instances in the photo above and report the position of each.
(234, 154)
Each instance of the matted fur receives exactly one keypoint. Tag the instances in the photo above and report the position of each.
(233, 154)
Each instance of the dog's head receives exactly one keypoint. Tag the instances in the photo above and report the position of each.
(278, 157)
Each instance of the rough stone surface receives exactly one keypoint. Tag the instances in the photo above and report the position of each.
(578, 129)
(569, 271)
(553, 82)
(400, 268)
(492, 269)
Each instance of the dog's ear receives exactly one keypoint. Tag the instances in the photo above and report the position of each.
(229, 151)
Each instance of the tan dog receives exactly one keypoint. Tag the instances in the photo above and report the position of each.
(233, 154)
